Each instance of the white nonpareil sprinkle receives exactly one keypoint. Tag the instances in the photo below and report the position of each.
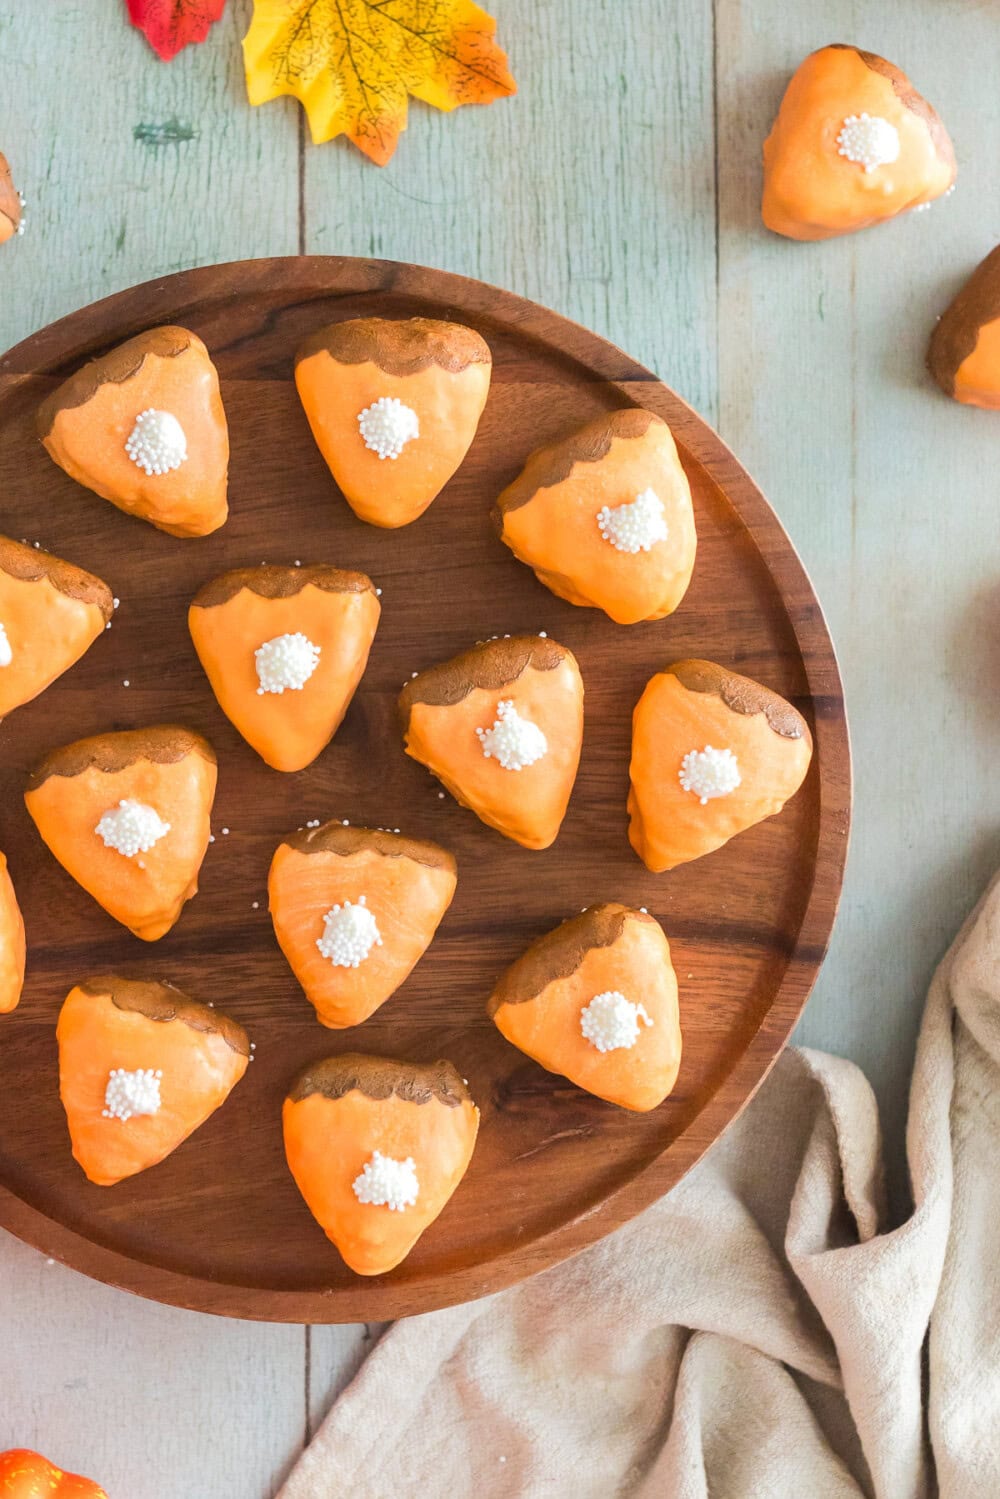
(611, 1022)
(131, 1093)
(386, 1182)
(868, 140)
(387, 426)
(6, 654)
(635, 527)
(157, 442)
(285, 663)
(514, 742)
(709, 773)
(349, 934)
(131, 828)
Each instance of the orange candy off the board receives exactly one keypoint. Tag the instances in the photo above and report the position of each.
(691, 707)
(551, 517)
(406, 886)
(86, 423)
(608, 950)
(964, 352)
(811, 190)
(235, 614)
(439, 371)
(51, 612)
(12, 952)
(109, 1023)
(28, 1475)
(341, 1111)
(168, 768)
(446, 709)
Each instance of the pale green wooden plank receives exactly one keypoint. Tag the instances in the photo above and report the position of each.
(131, 167)
(888, 489)
(153, 1402)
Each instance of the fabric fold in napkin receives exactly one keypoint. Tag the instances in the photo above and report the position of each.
(756, 1333)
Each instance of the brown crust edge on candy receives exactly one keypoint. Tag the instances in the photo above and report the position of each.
(380, 1078)
(908, 97)
(550, 465)
(163, 743)
(490, 664)
(30, 564)
(559, 953)
(115, 367)
(957, 331)
(398, 346)
(162, 1001)
(335, 838)
(742, 695)
(10, 203)
(279, 583)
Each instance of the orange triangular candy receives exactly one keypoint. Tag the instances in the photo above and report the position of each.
(501, 727)
(854, 144)
(51, 612)
(596, 1000)
(393, 407)
(11, 943)
(354, 911)
(127, 815)
(364, 1132)
(141, 1066)
(713, 753)
(144, 428)
(284, 649)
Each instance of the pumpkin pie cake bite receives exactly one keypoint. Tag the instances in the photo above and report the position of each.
(284, 649)
(501, 726)
(11, 206)
(854, 144)
(141, 1067)
(377, 1147)
(604, 517)
(11, 943)
(127, 815)
(964, 353)
(144, 428)
(51, 612)
(393, 406)
(713, 753)
(354, 910)
(596, 1001)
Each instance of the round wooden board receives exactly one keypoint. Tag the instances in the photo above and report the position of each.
(219, 1226)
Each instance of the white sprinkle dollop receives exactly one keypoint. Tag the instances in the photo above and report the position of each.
(709, 773)
(157, 442)
(635, 527)
(387, 426)
(131, 1093)
(868, 140)
(514, 742)
(285, 663)
(131, 828)
(386, 1182)
(611, 1022)
(349, 934)
(6, 654)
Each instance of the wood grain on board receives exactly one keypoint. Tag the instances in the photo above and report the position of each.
(219, 1225)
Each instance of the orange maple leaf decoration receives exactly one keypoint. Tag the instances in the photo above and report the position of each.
(352, 63)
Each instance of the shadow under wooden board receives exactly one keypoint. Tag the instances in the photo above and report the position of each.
(219, 1225)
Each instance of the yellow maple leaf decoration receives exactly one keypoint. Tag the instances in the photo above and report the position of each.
(352, 63)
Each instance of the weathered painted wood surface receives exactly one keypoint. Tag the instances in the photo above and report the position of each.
(600, 191)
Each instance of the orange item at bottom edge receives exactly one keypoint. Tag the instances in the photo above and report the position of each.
(28, 1475)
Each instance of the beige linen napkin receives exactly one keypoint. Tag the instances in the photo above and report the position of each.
(756, 1333)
